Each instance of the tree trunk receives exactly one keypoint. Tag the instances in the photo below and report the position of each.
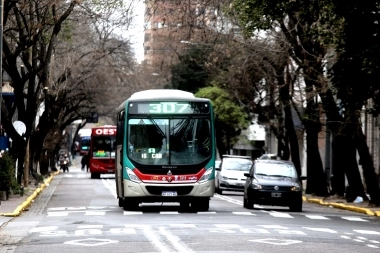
(369, 174)
(316, 179)
(338, 158)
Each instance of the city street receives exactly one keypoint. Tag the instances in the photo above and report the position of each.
(79, 214)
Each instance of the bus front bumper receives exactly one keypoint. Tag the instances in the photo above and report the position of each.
(147, 192)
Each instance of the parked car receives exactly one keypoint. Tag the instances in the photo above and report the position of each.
(230, 174)
(273, 182)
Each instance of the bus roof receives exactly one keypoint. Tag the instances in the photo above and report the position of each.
(162, 94)
(84, 132)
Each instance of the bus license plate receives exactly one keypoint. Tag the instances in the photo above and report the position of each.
(276, 195)
(169, 193)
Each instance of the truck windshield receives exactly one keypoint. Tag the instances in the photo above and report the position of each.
(177, 141)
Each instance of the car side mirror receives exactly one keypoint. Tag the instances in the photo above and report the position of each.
(247, 174)
(303, 178)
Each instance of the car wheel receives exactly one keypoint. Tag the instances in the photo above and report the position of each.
(218, 190)
(296, 206)
(121, 202)
(200, 204)
(130, 204)
(248, 203)
(184, 205)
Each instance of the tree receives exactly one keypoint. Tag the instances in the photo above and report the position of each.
(230, 119)
(355, 76)
(299, 23)
(47, 78)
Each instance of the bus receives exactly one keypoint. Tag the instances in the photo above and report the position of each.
(101, 157)
(165, 150)
(84, 141)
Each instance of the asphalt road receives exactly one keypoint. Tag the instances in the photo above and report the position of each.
(79, 214)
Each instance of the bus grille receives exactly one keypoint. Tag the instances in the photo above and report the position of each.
(157, 190)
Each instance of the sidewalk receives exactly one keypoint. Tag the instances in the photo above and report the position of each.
(340, 203)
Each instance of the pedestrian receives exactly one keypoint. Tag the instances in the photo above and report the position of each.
(84, 162)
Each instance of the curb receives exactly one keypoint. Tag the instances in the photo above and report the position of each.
(343, 206)
(31, 198)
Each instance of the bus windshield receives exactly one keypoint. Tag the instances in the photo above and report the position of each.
(103, 146)
(174, 141)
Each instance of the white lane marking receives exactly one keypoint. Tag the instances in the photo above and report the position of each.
(326, 230)
(254, 230)
(373, 246)
(169, 213)
(89, 226)
(57, 209)
(155, 240)
(280, 215)
(231, 200)
(276, 241)
(175, 241)
(110, 187)
(206, 213)
(373, 241)
(290, 232)
(243, 213)
(90, 231)
(227, 226)
(367, 232)
(117, 231)
(91, 242)
(95, 213)
(132, 213)
(182, 225)
(273, 226)
(57, 214)
(345, 237)
(76, 208)
(353, 218)
(316, 217)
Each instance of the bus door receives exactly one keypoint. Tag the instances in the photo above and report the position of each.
(119, 155)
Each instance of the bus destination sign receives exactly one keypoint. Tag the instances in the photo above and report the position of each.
(169, 108)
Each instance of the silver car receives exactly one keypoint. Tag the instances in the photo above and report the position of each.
(230, 175)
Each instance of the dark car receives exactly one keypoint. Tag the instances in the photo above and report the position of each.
(273, 182)
(230, 174)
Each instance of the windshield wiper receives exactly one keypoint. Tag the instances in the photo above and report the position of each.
(158, 128)
(261, 174)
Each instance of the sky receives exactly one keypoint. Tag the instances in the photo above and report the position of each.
(137, 31)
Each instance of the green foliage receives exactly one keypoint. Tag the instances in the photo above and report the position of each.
(226, 110)
(190, 73)
(7, 173)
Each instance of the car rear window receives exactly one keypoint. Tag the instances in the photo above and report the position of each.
(275, 169)
(237, 164)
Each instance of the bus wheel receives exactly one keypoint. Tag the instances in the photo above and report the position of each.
(201, 204)
(95, 175)
(121, 202)
(184, 205)
(130, 205)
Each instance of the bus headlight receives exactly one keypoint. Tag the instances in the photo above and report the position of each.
(132, 176)
(206, 175)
